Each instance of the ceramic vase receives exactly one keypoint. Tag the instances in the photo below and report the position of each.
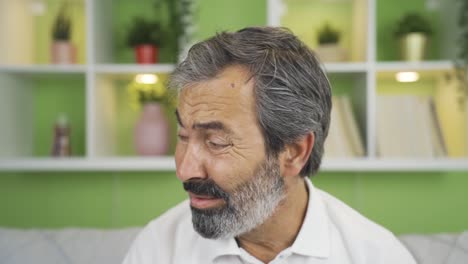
(63, 52)
(151, 134)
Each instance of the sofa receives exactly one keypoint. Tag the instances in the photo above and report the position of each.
(100, 246)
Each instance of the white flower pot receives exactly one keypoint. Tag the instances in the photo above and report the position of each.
(331, 53)
(413, 47)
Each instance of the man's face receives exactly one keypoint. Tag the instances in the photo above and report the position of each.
(220, 156)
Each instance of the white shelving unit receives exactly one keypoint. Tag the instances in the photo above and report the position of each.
(366, 71)
(102, 95)
(167, 163)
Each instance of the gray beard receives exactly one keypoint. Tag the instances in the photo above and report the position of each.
(247, 207)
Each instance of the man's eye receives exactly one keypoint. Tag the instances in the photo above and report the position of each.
(182, 137)
(217, 145)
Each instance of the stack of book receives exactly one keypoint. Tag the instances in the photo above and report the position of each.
(417, 126)
(344, 139)
(407, 126)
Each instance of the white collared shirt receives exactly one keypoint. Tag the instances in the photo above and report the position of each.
(331, 233)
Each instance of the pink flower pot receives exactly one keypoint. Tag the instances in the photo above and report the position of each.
(151, 134)
(63, 52)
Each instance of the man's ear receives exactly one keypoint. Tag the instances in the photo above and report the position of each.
(295, 155)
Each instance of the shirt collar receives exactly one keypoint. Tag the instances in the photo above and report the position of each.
(314, 236)
(218, 247)
(312, 240)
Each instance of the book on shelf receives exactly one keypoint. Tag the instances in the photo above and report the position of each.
(350, 126)
(389, 135)
(437, 136)
(408, 127)
(452, 115)
(344, 140)
(466, 125)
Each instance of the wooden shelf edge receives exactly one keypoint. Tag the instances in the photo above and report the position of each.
(44, 68)
(88, 164)
(416, 66)
(134, 68)
(345, 67)
(167, 163)
(396, 165)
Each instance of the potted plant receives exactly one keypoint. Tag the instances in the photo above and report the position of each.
(180, 20)
(462, 55)
(145, 37)
(62, 49)
(413, 32)
(329, 49)
(151, 131)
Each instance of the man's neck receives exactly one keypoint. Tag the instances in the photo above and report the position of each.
(279, 231)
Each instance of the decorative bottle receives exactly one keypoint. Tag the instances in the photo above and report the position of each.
(61, 146)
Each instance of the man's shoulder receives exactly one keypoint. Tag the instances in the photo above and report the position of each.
(347, 219)
(365, 238)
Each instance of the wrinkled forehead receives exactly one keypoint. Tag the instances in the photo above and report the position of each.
(232, 82)
(230, 94)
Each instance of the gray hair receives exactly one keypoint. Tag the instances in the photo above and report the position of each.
(292, 92)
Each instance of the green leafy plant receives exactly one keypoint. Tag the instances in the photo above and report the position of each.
(461, 64)
(142, 93)
(144, 31)
(328, 35)
(413, 23)
(177, 19)
(61, 30)
(463, 36)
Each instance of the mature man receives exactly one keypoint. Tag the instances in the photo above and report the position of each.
(253, 113)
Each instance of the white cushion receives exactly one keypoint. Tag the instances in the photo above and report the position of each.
(90, 246)
(438, 248)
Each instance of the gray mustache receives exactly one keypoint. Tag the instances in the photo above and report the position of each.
(205, 187)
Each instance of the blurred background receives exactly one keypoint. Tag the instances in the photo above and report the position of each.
(87, 130)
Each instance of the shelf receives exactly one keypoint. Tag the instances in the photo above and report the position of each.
(167, 163)
(85, 164)
(30, 104)
(134, 68)
(41, 69)
(365, 164)
(345, 67)
(415, 66)
(25, 28)
(307, 18)
(442, 18)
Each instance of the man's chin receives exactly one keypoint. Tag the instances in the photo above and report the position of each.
(209, 222)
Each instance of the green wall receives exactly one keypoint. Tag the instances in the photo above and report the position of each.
(404, 202)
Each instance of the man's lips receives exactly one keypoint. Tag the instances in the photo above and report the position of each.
(204, 201)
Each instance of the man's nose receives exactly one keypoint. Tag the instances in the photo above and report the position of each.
(189, 163)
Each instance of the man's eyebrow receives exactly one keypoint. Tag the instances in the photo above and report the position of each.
(178, 118)
(213, 125)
